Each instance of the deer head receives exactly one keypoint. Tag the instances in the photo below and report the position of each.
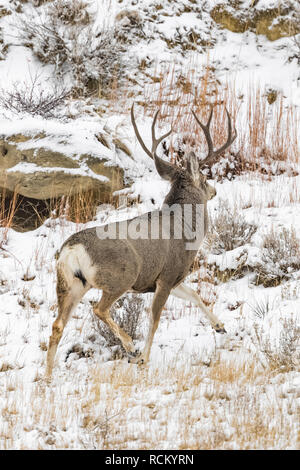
(194, 166)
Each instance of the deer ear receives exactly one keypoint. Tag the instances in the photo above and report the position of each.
(165, 169)
(192, 165)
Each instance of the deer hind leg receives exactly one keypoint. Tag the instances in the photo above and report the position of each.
(160, 297)
(186, 293)
(67, 298)
(102, 312)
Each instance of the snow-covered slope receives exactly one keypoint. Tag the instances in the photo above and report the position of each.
(200, 390)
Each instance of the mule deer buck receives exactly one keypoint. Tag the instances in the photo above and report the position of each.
(131, 264)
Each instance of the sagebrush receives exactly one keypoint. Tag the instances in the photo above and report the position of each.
(284, 354)
(66, 35)
(228, 229)
(280, 257)
(33, 99)
(126, 312)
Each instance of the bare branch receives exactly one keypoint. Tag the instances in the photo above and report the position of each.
(32, 98)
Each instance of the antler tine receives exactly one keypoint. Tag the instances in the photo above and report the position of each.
(155, 141)
(212, 155)
(138, 134)
(230, 139)
(205, 128)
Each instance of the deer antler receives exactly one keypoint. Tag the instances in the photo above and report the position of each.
(155, 141)
(213, 154)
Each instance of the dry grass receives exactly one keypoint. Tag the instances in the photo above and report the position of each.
(8, 208)
(267, 133)
(79, 208)
(234, 371)
(21, 213)
(121, 406)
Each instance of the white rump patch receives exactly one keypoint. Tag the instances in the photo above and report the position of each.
(73, 259)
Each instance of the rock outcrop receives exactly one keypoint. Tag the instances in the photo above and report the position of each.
(274, 22)
(42, 173)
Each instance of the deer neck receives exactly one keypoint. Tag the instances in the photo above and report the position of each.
(193, 202)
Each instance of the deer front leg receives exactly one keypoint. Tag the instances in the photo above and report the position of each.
(186, 293)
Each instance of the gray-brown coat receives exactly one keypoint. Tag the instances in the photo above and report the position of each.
(154, 264)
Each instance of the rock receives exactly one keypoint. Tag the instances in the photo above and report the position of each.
(42, 173)
(273, 22)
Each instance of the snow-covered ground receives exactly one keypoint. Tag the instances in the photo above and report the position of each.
(200, 390)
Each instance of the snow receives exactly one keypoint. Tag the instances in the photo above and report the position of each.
(200, 389)
(184, 343)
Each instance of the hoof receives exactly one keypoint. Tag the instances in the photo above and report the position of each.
(133, 356)
(219, 328)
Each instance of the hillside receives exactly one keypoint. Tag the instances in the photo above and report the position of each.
(69, 74)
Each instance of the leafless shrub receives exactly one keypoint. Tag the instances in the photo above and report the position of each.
(228, 229)
(66, 35)
(126, 312)
(284, 354)
(290, 290)
(32, 99)
(280, 258)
